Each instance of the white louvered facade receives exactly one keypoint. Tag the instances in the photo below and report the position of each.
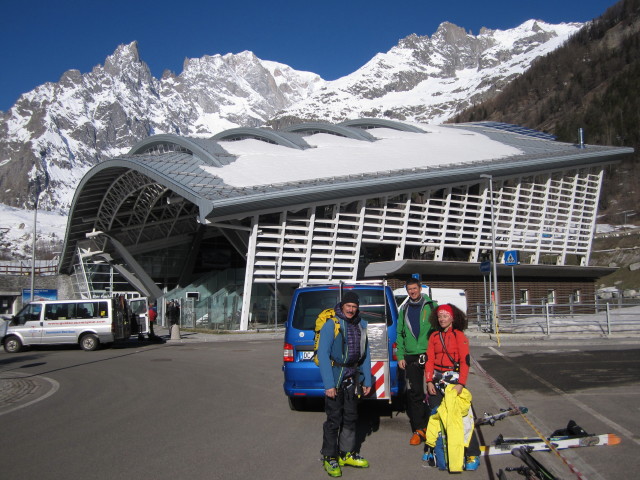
(546, 218)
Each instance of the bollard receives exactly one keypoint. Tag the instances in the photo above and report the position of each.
(546, 314)
(175, 332)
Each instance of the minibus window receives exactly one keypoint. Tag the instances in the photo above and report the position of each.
(310, 304)
(86, 310)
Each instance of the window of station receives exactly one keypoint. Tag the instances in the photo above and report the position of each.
(576, 296)
(551, 297)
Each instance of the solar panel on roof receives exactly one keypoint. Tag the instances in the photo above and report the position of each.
(509, 127)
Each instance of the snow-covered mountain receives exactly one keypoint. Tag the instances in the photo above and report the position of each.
(429, 79)
(60, 130)
(69, 126)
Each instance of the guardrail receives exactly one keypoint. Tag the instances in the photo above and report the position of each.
(17, 269)
(603, 318)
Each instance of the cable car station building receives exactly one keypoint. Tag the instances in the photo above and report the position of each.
(231, 224)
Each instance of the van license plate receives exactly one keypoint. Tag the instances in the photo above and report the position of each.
(307, 355)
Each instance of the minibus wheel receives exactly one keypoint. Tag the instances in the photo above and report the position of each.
(12, 344)
(89, 342)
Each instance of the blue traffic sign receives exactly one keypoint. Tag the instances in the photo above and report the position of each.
(485, 267)
(511, 257)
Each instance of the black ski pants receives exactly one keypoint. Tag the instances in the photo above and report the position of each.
(417, 409)
(339, 430)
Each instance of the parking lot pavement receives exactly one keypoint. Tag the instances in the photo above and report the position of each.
(596, 386)
(549, 409)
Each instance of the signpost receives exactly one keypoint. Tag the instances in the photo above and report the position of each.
(485, 269)
(511, 258)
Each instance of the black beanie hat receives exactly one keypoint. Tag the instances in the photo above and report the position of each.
(350, 297)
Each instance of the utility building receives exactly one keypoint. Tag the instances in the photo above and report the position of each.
(232, 223)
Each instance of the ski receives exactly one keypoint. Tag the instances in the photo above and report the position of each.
(504, 445)
(540, 471)
(491, 419)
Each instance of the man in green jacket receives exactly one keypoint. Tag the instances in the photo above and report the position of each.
(412, 338)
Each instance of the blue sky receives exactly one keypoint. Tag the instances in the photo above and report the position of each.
(42, 39)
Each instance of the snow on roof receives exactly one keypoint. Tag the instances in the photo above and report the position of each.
(261, 163)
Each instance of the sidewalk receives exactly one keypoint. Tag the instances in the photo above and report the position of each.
(476, 338)
(230, 336)
(519, 339)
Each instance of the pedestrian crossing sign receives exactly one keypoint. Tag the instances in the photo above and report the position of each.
(511, 257)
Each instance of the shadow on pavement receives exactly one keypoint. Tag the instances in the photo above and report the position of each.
(566, 371)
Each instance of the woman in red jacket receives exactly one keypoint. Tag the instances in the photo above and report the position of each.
(448, 349)
(448, 363)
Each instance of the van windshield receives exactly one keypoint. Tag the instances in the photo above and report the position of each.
(310, 304)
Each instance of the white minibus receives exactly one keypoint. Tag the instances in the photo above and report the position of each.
(87, 322)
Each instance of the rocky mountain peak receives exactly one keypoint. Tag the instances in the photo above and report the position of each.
(123, 58)
(450, 33)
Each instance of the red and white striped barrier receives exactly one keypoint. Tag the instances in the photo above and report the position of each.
(380, 385)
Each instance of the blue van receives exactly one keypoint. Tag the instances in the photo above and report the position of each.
(301, 375)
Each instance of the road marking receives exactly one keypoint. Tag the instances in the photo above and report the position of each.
(571, 399)
(54, 388)
(596, 394)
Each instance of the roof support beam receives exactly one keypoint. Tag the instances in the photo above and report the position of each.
(142, 280)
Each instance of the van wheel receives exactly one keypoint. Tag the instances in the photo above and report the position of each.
(296, 403)
(12, 344)
(89, 342)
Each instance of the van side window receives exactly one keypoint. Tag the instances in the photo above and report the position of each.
(103, 310)
(50, 312)
(60, 311)
(30, 313)
(86, 310)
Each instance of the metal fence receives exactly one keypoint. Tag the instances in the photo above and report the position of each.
(602, 317)
(23, 267)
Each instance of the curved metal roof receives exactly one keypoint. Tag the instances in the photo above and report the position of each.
(367, 123)
(286, 139)
(205, 149)
(340, 130)
(166, 182)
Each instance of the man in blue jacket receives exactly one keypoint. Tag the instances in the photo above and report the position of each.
(345, 367)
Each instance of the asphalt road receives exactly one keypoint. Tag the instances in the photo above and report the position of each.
(216, 410)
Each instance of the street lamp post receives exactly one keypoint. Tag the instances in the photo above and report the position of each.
(493, 253)
(38, 189)
(33, 245)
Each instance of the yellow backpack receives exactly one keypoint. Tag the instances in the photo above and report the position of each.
(325, 315)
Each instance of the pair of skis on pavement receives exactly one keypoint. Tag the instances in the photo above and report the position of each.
(571, 437)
